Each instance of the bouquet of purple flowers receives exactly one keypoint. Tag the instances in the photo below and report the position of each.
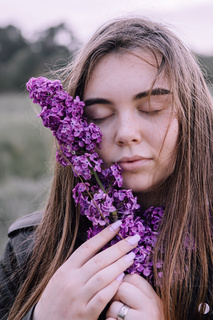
(99, 191)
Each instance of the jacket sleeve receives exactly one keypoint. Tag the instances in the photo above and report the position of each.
(13, 265)
(8, 287)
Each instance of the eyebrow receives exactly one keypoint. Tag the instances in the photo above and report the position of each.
(90, 102)
(154, 92)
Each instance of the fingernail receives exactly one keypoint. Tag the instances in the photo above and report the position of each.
(134, 239)
(114, 226)
(120, 277)
(130, 257)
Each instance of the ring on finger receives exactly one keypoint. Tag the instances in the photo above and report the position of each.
(123, 312)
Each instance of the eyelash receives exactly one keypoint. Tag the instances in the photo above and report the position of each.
(151, 113)
(148, 113)
(99, 120)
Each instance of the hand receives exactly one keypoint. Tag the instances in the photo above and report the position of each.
(87, 281)
(140, 297)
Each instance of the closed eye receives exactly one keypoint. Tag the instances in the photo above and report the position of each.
(99, 120)
(150, 113)
(98, 110)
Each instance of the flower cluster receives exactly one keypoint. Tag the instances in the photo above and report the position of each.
(100, 195)
(64, 116)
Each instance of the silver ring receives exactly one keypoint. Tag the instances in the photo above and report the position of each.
(123, 312)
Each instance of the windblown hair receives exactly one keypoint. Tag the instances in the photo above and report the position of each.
(185, 241)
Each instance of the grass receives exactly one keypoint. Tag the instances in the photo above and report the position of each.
(26, 150)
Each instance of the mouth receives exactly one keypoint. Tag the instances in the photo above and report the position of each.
(132, 163)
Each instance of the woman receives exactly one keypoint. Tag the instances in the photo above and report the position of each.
(145, 91)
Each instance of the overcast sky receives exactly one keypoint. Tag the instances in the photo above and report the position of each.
(192, 20)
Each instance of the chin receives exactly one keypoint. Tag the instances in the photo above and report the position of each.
(135, 187)
(141, 185)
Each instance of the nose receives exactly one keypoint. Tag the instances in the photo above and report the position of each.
(128, 131)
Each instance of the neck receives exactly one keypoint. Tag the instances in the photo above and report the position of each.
(149, 199)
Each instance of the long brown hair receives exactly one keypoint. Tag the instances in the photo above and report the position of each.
(185, 241)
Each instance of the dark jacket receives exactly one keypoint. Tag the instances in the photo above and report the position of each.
(16, 256)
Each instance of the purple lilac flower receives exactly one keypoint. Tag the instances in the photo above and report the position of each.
(111, 176)
(64, 116)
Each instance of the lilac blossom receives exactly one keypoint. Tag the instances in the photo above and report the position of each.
(64, 116)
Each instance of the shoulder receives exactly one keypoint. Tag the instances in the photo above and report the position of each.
(26, 222)
(15, 258)
(21, 239)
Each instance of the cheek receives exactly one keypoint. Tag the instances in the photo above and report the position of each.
(169, 144)
(105, 151)
(173, 133)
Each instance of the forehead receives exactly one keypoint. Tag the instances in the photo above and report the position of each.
(130, 68)
(134, 57)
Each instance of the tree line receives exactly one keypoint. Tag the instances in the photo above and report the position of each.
(21, 58)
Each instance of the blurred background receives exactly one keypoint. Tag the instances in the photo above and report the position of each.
(39, 36)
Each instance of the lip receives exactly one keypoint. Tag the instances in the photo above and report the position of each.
(132, 163)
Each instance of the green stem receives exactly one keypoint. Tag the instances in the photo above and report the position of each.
(114, 214)
(98, 180)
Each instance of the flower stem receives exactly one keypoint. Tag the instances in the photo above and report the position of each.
(98, 180)
(114, 214)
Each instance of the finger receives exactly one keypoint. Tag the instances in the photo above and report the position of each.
(132, 296)
(141, 284)
(87, 250)
(137, 299)
(109, 256)
(107, 275)
(115, 309)
(103, 297)
(146, 291)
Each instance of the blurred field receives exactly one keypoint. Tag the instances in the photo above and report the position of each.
(25, 153)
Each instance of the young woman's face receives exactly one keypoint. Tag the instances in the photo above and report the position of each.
(138, 134)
